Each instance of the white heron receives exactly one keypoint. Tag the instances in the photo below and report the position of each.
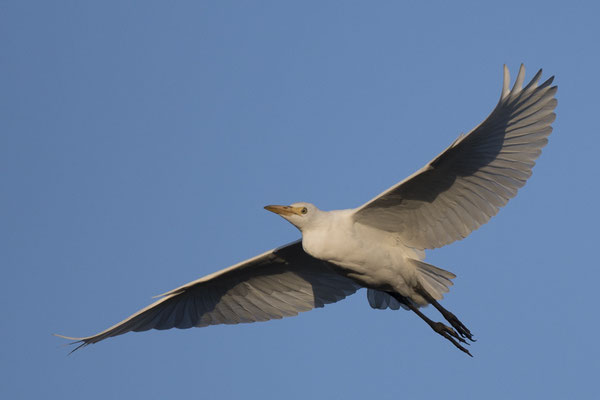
(379, 245)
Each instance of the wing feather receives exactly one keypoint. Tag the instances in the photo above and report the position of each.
(276, 284)
(468, 183)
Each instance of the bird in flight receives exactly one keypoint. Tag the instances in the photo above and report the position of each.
(379, 245)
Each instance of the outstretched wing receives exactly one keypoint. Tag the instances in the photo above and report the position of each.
(463, 187)
(273, 285)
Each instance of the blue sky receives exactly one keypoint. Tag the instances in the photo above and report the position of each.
(139, 142)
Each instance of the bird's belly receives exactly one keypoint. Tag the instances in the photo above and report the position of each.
(370, 260)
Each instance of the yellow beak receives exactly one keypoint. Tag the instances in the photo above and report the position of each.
(284, 210)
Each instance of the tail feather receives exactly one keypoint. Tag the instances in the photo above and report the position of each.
(435, 280)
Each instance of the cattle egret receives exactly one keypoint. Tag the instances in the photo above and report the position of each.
(379, 245)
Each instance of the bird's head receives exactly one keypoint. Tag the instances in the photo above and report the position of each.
(300, 215)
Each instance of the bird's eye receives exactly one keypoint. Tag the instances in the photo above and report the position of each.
(304, 210)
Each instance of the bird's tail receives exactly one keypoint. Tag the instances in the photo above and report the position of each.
(435, 280)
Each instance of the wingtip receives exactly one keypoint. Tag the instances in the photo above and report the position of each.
(79, 341)
(505, 82)
(536, 78)
(66, 337)
(518, 86)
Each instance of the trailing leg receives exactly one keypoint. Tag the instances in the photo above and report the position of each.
(451, 318)
(441, 329)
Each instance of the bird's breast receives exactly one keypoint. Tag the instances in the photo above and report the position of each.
(345, 246)
(370, 257)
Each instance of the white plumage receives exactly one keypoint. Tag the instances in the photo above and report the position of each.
(380, 244)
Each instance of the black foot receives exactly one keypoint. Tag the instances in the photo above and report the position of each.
(462, 330)
(450, 334)
(459, 326)
(443, 330)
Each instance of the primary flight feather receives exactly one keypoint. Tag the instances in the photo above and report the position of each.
(380, 244)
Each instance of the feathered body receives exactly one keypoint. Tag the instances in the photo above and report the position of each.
(373, 258)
